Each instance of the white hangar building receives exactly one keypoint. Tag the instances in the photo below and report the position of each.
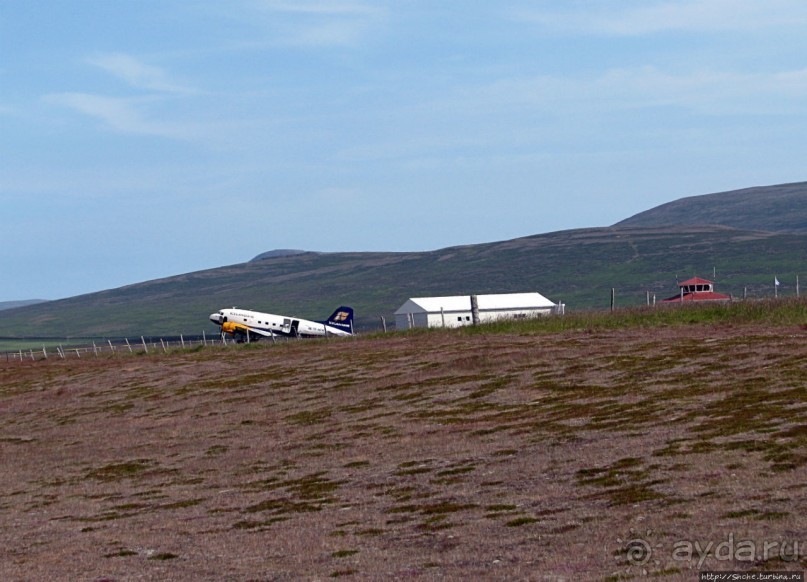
(456, 311)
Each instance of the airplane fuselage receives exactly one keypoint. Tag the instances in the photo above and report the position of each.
(247, 323)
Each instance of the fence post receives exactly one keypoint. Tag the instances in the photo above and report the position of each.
(145, 347)
(384, 324)
(613, 298)
(44, 352)
(111, 347)
(474, 310)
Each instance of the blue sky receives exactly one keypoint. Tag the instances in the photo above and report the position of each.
(147, 138)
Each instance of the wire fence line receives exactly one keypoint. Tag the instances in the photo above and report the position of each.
(97, 348)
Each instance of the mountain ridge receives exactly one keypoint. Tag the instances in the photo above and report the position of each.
(779, 208)
(279, 253)
(578, 267)
(22, 303)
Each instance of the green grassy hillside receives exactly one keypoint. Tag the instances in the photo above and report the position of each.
(14, 304)
(781, 208)
(578, 267)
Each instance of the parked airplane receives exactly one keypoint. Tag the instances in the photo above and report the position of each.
(247, 325)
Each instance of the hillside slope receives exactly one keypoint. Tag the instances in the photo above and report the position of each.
(15, 304)
(578, 267)
(780, 208)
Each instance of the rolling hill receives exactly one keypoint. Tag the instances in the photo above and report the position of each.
(578, 267)
(14, 304)
(781, 208)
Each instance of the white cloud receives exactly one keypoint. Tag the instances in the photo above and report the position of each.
(136, 73)
(320, 8)
(642, 18)
(514, 114)
(705, 91)
(121, 115)
(327, 34)
(129, 115)
(317, 23)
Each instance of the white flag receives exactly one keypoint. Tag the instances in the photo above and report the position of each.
(776, 281)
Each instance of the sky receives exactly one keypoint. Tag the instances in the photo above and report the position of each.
(142, 139)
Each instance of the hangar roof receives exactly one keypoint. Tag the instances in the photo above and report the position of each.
(486, 303)
(695, 281)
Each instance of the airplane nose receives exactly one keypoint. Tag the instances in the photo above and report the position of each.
(215, 318)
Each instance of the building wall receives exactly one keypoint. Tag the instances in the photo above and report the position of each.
(452, 319)
(401, 321)
(418, 319)
(490, 316)
(462, 318)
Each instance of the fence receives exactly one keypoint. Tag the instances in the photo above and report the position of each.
(140, 345)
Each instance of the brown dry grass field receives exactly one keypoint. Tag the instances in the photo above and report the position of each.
(579, 455)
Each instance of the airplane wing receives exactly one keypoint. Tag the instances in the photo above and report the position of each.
(262, 332)
(232, 327)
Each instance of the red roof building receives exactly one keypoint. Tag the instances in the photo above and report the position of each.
(697, 289)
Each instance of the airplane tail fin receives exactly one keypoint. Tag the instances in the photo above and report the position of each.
(342, 319)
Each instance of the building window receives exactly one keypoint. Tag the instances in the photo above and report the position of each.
(459, 318)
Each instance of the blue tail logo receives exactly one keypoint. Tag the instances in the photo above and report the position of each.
(342, 318)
